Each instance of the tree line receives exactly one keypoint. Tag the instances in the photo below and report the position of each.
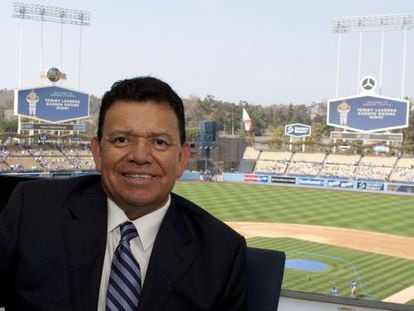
(267, 120)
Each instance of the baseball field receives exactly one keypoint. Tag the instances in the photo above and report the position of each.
(366, 237)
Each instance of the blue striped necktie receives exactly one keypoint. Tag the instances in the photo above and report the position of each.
(124, 288)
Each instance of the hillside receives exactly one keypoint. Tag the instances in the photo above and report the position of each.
(6, 99)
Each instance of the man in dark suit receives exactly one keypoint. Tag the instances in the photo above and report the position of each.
(63, 243)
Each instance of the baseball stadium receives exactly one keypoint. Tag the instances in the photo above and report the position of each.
(330, 185)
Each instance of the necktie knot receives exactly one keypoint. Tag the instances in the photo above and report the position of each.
(128, 231)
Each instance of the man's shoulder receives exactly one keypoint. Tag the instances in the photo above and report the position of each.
(64, 182)
(62, 185)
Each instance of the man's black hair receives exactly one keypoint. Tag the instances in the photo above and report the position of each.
(143, 89)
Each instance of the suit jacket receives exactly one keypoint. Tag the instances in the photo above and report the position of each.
(52, 247)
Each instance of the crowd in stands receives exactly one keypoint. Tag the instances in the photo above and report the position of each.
(388, 168)
(19, 158)
(337, 170)
(272, 161)
(403, 170)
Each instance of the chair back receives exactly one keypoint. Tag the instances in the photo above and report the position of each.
(265, 269)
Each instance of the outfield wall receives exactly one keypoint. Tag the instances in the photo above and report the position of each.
(331, 183)
(306, 181)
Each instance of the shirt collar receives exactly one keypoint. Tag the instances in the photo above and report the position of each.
(147, 226)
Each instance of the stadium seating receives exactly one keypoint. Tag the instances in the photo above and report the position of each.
(276, 167)
(307, 164)
(350, 166)
(35, 158)
(275, 156)
(340, 165)
(342, 159)
(337, 170)
(272, 162)
(46, 158)
(376, 168)
(403, 170)
(251, 154)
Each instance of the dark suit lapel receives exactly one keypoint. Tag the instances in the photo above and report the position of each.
(171, 256)
(85, 241)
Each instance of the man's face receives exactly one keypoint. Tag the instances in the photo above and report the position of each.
(139, 156)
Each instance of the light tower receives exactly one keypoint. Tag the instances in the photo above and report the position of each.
(382, 23)
(44, 13)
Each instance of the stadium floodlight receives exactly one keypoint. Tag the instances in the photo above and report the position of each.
(373, 23)
(44, 13)
(379, 23)
(51, 14)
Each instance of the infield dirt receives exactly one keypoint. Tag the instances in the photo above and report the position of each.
(373, 242)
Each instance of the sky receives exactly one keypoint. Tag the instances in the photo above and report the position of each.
(263, 51)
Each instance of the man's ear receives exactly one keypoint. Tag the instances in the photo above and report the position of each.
(96, 152)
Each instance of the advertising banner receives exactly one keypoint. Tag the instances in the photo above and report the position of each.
(310, 182)
(51, 103)
(297, 130)
(400, 188)
(371, 186)
(251, 178)
(367, 136)
(368, 113)
(54, 127)
(264, 179)
(283, 180)
(336, 183)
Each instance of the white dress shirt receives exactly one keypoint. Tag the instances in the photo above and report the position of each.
(141, 246)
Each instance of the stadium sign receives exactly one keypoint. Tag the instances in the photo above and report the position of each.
(251, 178)
(51, 104)
(297, 130)
(368, 113)
(370, 186)
(367, 136)
(336, 183)
(54, 127)
(310, 181)
(264, 179)
(283, 180)
(400, 188)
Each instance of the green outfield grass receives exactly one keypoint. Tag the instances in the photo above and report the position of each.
(358, 210)
(379, 276)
